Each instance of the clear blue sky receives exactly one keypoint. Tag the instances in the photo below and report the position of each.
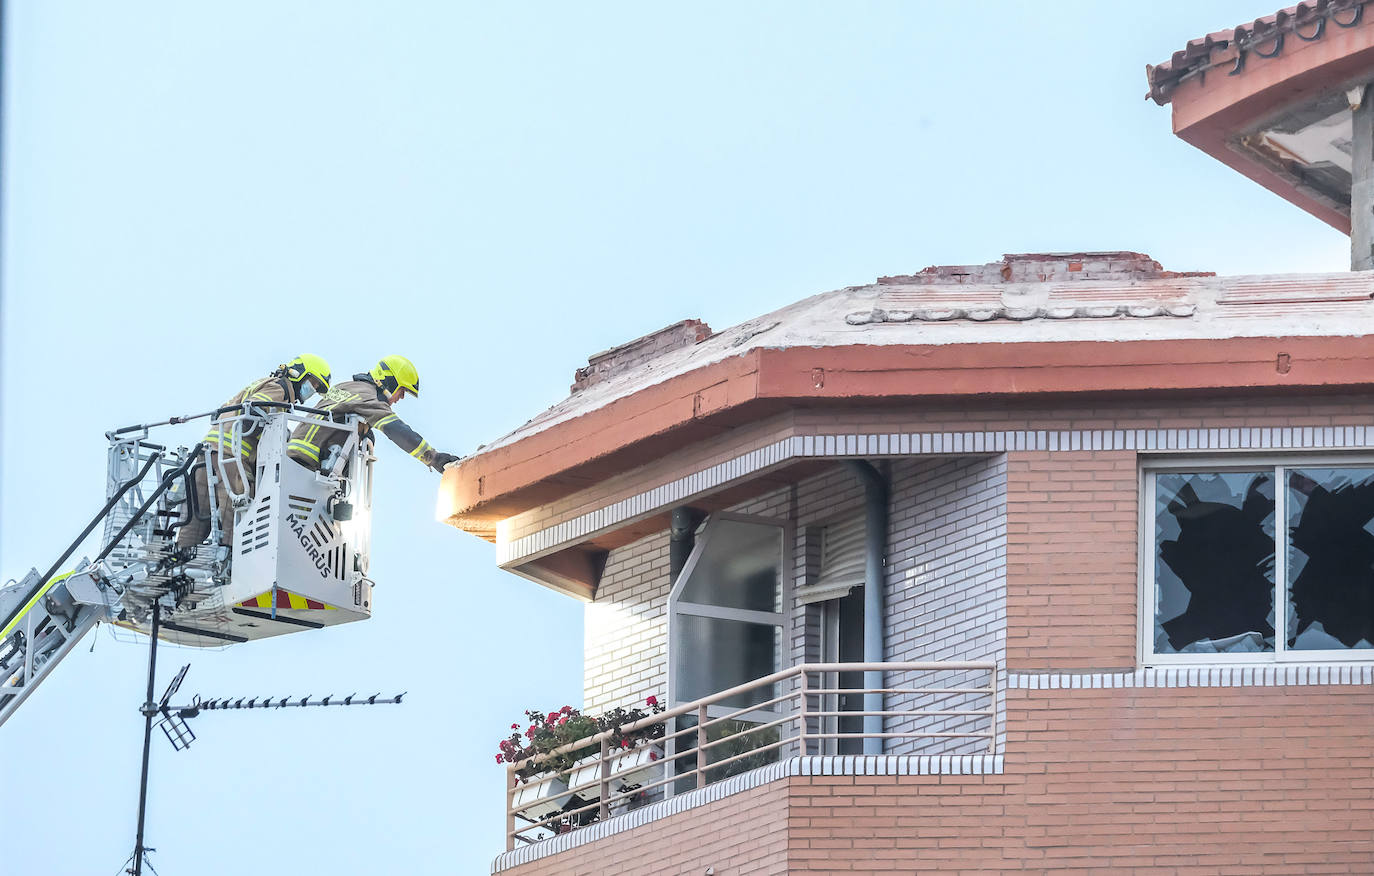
(196, 192)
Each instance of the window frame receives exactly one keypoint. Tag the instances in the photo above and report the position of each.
(1278, 464)
(782, 618)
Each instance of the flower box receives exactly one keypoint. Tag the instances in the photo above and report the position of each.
(648, 759)
(541, 799)
(555, 755)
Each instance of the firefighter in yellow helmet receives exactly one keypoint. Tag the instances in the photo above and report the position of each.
(371, 396)
(291, 383)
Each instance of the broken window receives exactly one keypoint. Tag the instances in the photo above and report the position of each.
(1214, 562)
(1330, 558)
(1221, 563)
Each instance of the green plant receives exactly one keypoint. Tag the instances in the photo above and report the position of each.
(733, 738)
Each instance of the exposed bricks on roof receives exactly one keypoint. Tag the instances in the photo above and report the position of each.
(1228, 51)
(1045, 267)
(1169, 294)
(625, 356)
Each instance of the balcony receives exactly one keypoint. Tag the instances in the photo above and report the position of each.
(943, 708)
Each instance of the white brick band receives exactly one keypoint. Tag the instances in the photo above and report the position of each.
(1183, 676)
(510, 551)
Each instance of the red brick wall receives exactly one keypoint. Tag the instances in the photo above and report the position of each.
(743, 833)
(1179, 781)
(1071, 560)
(1149, 780)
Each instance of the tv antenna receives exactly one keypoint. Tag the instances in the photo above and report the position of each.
(179, 734)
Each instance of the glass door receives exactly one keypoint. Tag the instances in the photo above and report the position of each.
(842, 641)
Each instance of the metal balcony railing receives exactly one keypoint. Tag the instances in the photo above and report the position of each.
(943, 707)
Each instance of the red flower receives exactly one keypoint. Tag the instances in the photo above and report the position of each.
(529, 734)
(566, 710)
(651, 701)
(498, 758)
(515, 726)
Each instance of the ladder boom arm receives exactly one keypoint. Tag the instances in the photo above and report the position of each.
(38, 588)
(45, 628)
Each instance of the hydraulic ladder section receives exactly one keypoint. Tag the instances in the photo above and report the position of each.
(44, 627)
(42, 617)
(299, 549)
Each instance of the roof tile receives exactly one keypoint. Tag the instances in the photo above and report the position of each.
(1308, 21)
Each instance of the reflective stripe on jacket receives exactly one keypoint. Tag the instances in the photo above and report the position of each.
(311, 444)
(266, 389)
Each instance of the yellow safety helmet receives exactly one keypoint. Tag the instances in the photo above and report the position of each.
(396, 372)
(308, 372)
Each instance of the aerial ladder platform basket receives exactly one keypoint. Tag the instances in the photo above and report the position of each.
(298, 558)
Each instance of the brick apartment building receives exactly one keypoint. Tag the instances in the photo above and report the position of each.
(1059, 563)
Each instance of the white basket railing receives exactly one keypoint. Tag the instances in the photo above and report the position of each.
(947, 707)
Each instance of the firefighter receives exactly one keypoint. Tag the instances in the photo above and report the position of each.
(370, 395)
(291, 383)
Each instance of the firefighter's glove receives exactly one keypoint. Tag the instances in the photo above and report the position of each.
(441, 460)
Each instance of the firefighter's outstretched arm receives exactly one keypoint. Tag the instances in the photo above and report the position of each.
(409, 440)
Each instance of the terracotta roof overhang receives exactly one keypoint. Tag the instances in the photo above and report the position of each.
(1272, 99)
(652, 420)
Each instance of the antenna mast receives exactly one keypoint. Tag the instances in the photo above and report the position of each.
(174, 727)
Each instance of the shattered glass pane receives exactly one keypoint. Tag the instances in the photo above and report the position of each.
(1214, 562)
(1330, 558)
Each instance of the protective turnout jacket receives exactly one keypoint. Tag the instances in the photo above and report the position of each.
(266, 389)
(311, 443)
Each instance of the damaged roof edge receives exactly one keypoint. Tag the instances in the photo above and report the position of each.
(491, 486)
(623, 357)
(1032, 324)
(691, 343)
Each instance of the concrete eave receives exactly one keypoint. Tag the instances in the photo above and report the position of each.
(1213, 109)
(575, 453)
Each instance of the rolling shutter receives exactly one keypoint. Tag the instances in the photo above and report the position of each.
(842, 561)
